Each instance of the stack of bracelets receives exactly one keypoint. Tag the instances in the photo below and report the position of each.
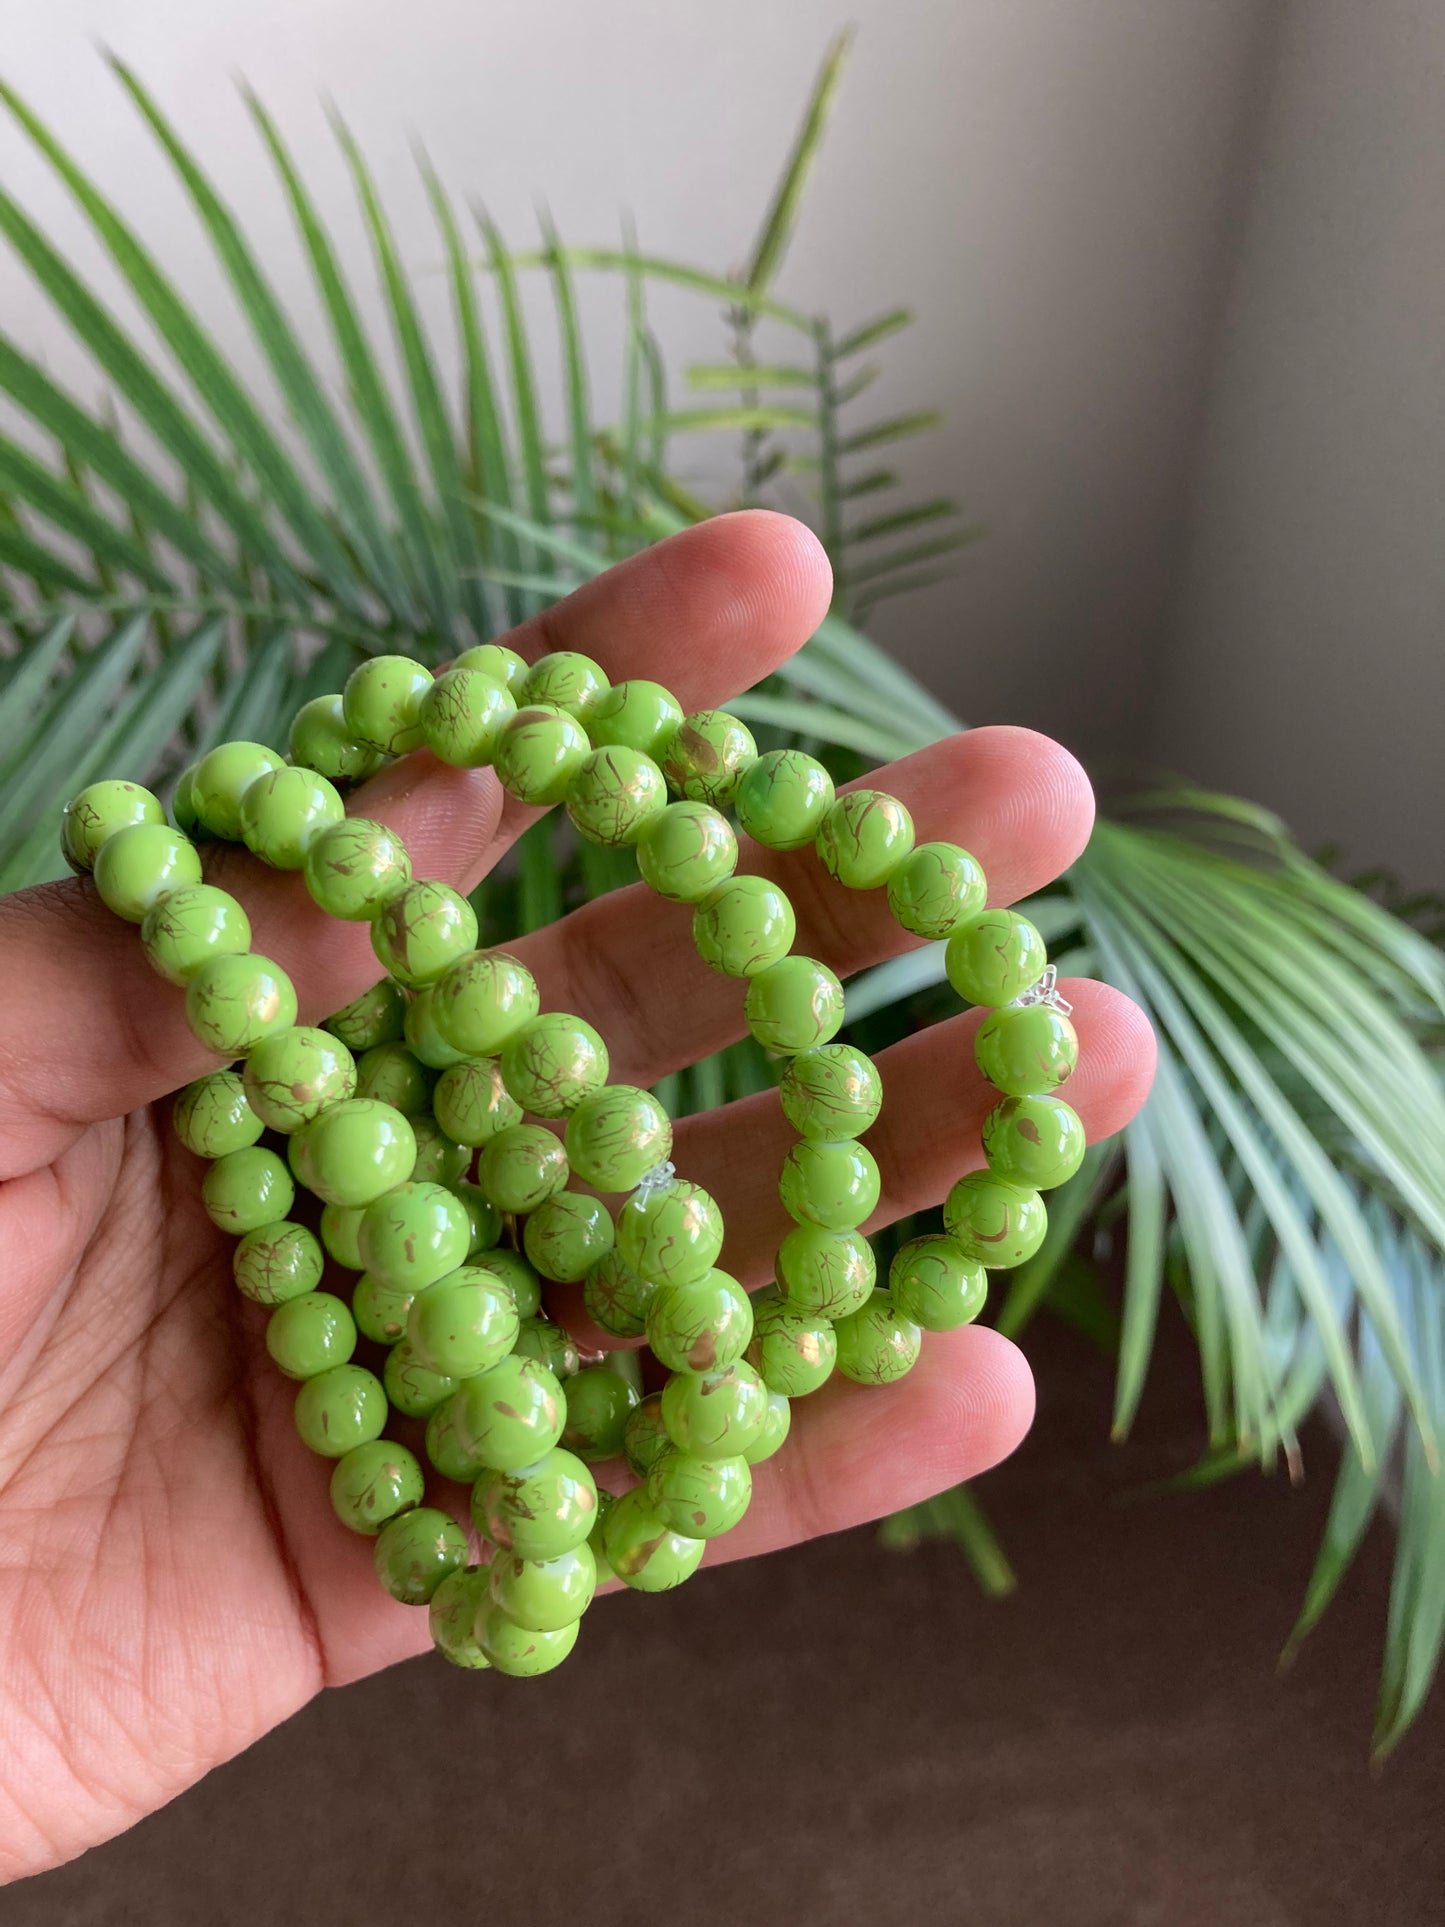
(448, 1126)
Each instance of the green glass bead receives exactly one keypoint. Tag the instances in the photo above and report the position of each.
(550, 1345)
(936, 889)
(377, 1016)
(522, 1166)
(567, 1234)
(616, 1136)
(308, 1335)
(357, 1149)
(232, 1003)
(494, 659)
(423, 1036)
(391, 1074)
(413, 1235)
(510, 1416)
(245, 1189)
(320, 741)
(635, 715)
(292, 1076)
(645, 1435)
(864, 838)
(452, 1454)
(414, 1388)
(483, 1000)
(221, 779)
(709, 756)
(776, 1426)
(484, 1221)
(183, 809)
(564, 680)
(1034, 1141)
(539, 752)
(97, 813)
(616, 1297)
(277, 1261)
(544, 1594)
(934, 1284)
(417, 1550)
(283, 813)
(212, 1116)
(464, 1325)
(539, 1510)
(686, 852)
(142, 863)
(462, 715)
(186, 928)
(995, 957)
(552, 1063)
(521, 1652)
(340, 1408)
(340, 1228)
(519, 1278)
(782, 800)
(1028, 1052)
(439, 1158)
(642, 1549)
(421, 932)
(792, 1352)
(452, 1614)
(615, 795)
(700, 1328)
(877, 1344)
(381, 703)
(831, 1092)
(672, 1233)
(599, 1404)
(743, 926)
(794, 1005)
(354, 869)
(381, 1310)
(374, 1483)
(833, 1185)
(828, 1273)
(702, 1498)
(715, 1415)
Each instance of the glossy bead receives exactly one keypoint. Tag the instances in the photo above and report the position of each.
(743, 926)
(381, 1310)
(833, 1185)
(439, 1158)
(544, 1594)
(340, 1227)
(321, 741)
(552, 1063)
(211, 1116)
(452, 1614)
(635, 715)
(831, 1092)
(1034, 1141)
(877, 1344)
(783, 798)
(615, 795)
(830, 1273)
(1028, 1052)
(776, 1426)
(494, 659)
(521, 1652)
(140, 864)
(708, 757)
(381, 703)
(339, 1408)
(452, 1454)
(393, 1075)
(794, 1005)
(187, 927)
(792, 1352)
(414, 1388)
(308, 1335)
(566, 1235)
(936, 889)
(672, 1234)
(539, 1510)
(715, 1415)
(538, 753)
(551, 1345)
(357, 1149)
(413, 1235)
(599, 1404)
(375, 1017)
(462, 715)
(356, 868)
(245, 1189)
(522, 1166)
(232, 1003)
(422, 931)
(283, 813)
(933, 1283)
(702, 1498)
(374, 1483)
(564, 680)
(221, 779)
(687, 851)
(645, 1435)
(483, 1000)
(700, 1328)
(643, 1551)
(464, 1325)
(995, 957)
(423, 1034)
(864, 838)
(510, 1416)
(292, 1076)
(97, 813)
(616, 1297)
(484, 1221)
(277, 1261)
(616, 1136)
(417, 1550)
(518, 1276)
(183, 810)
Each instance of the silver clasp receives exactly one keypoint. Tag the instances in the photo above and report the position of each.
(1045, 991)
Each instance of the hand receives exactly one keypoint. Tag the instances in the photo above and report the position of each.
(172, 1581)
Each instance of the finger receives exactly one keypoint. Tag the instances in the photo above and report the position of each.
(87, 1030)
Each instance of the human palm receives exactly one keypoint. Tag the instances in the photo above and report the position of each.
(172, 1581)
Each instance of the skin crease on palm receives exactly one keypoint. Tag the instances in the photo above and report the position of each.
(172, 1581)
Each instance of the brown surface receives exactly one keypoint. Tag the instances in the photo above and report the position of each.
(842, 1735)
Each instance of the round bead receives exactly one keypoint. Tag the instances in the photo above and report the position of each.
(544, 1594)
(599, 1404)
(483, 1000)
(355, 868)
(277, 1261)
(794, 1005)
(541, 1510)
(700, 1328)
(564, 680)
(321, 741)
(471, 1103)
(877, 1344)
(708, 757)
(393, 1075)
(699, 1497)
(232, 1003)
(827, 1273)
(292, 1076)
(864, 838)
(934, 1284)
(791, 1352)
(635, 715)
(645, 1437)
(439, 1158)
(552, 1063)
(494, 659)
(1034, 1141)
(221, 779)
(381, 1310)
(743, 926)
(212, 1116)
(356, 1150)
(522, 1166)
(521, 1652)
(462, 715)
(423, 1035)
(340, 1229)
(715, 1415)
(687, 851)
(416, 1551)
(672, 1234)
(464, 1325)
(1026, 1053)
(776, 1427)
(833, 1185)
(186, 928)
(566, 1235)
(414, 1388)
(375, 1017)
(782, 800)
(100, 810)
(413, 1235)
(183, 809)
(245, 1189)
(340, 1408)
(381, 703)
(643, 1551)
(519, 1278)
(936, 889)
(140, 864)
(616, 1297)
(283, 813)
(615, 795)
(452, 1614)
(453, 1455)
(550, 1345)
(308, 1335)
(422, 931)
(995, 957)
(616, 1136)
(484, 1221)
(831, 1092)
(510, 1416)
(538, 753)
(374, 1483)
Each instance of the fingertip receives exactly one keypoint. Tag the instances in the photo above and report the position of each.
(1118, 1055)
(985, 1397)
(1048, 798)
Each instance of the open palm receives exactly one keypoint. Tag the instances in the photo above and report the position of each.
(172, 1581)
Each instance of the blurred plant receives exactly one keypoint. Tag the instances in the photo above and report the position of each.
(176, 568)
